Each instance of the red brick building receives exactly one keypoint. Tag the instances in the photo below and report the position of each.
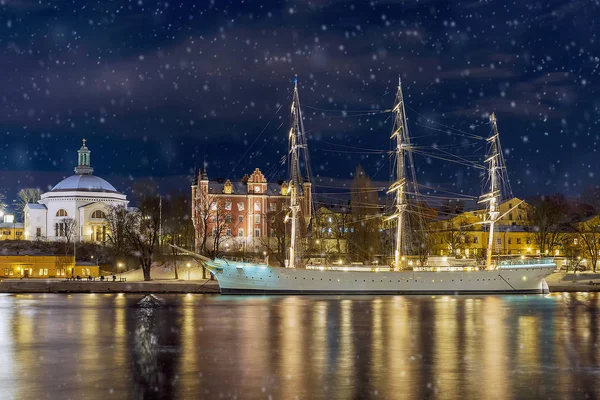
(245, 205)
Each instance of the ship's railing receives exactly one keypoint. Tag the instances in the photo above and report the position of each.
(527, 261)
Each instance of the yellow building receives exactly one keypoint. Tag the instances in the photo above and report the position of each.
(43, 266)
(465, 235)
(11, 231)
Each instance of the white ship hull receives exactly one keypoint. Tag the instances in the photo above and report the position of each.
(247, 278)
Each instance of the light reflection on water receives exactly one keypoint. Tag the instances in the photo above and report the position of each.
(392, 347)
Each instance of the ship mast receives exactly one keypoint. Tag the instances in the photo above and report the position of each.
(400, 136)
(492, 197)
(295, 175)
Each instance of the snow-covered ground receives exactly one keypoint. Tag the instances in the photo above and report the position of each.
(166, 272)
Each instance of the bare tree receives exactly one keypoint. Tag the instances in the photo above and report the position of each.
(142, 231)
(366, 219)
(456, 235)
(24, 197)
(2, 200)
(69, 230)
(117, 218)
(276, 240)
(546, 215)
(573, 251)
(177, 226)
(220, 224)
(204, 211)
(589, 235)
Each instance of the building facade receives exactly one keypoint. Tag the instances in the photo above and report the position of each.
(241, 212)
(44, 266)
(75, 208)
(10, 229)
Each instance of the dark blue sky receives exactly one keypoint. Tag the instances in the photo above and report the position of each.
(159, 87)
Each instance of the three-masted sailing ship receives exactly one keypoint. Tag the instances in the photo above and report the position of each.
(517, 276)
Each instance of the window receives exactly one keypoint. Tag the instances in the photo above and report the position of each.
(556, 252)
(272, 232)
(5, 271)
(257, 219)
(240, 219)
(61, 213)
(510, 216)
(228, 232)
(272, 207)
(213, 206)
(38, 232)
(509, 241)
(228, 205)
(43, 272)
(257, 206)
(528, 241)
(240, 206)
(475, 240)
(518, 240)
(256, 232)
(19, 233)
(228, 218)
(575, 241)
(241, 232)
(98, 214)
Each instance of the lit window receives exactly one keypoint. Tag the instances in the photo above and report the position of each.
(228, 218)
(228, 232)
(241, 232)
(240, 219)
(257, 232)
(272, 207)
(61, 213)
(98, 214)
(518, 240)
(475, 240)
(228, 205)
(257, 206)
(257, 219)
(240, 206)
(498, 241)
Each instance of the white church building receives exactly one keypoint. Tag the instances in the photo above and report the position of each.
(81, 200)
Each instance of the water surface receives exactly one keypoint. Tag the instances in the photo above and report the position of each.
(89, 346)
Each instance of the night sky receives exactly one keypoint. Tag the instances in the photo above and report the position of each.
(159, 88)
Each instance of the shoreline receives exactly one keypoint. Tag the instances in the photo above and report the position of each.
(62, 286)
(20, 286)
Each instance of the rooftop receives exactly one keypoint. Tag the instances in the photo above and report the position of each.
(84, 183)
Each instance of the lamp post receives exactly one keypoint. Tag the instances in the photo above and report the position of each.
(188, 267)
(120, 265)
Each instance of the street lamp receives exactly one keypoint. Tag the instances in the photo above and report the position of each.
(120, 265)
(188, 265)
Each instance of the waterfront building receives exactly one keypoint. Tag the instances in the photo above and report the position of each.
(245, 214)
(75, 208)
(28, 265)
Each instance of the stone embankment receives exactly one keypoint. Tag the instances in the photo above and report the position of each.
(62, 286)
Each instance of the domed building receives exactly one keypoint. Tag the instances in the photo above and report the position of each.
(75, 208)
